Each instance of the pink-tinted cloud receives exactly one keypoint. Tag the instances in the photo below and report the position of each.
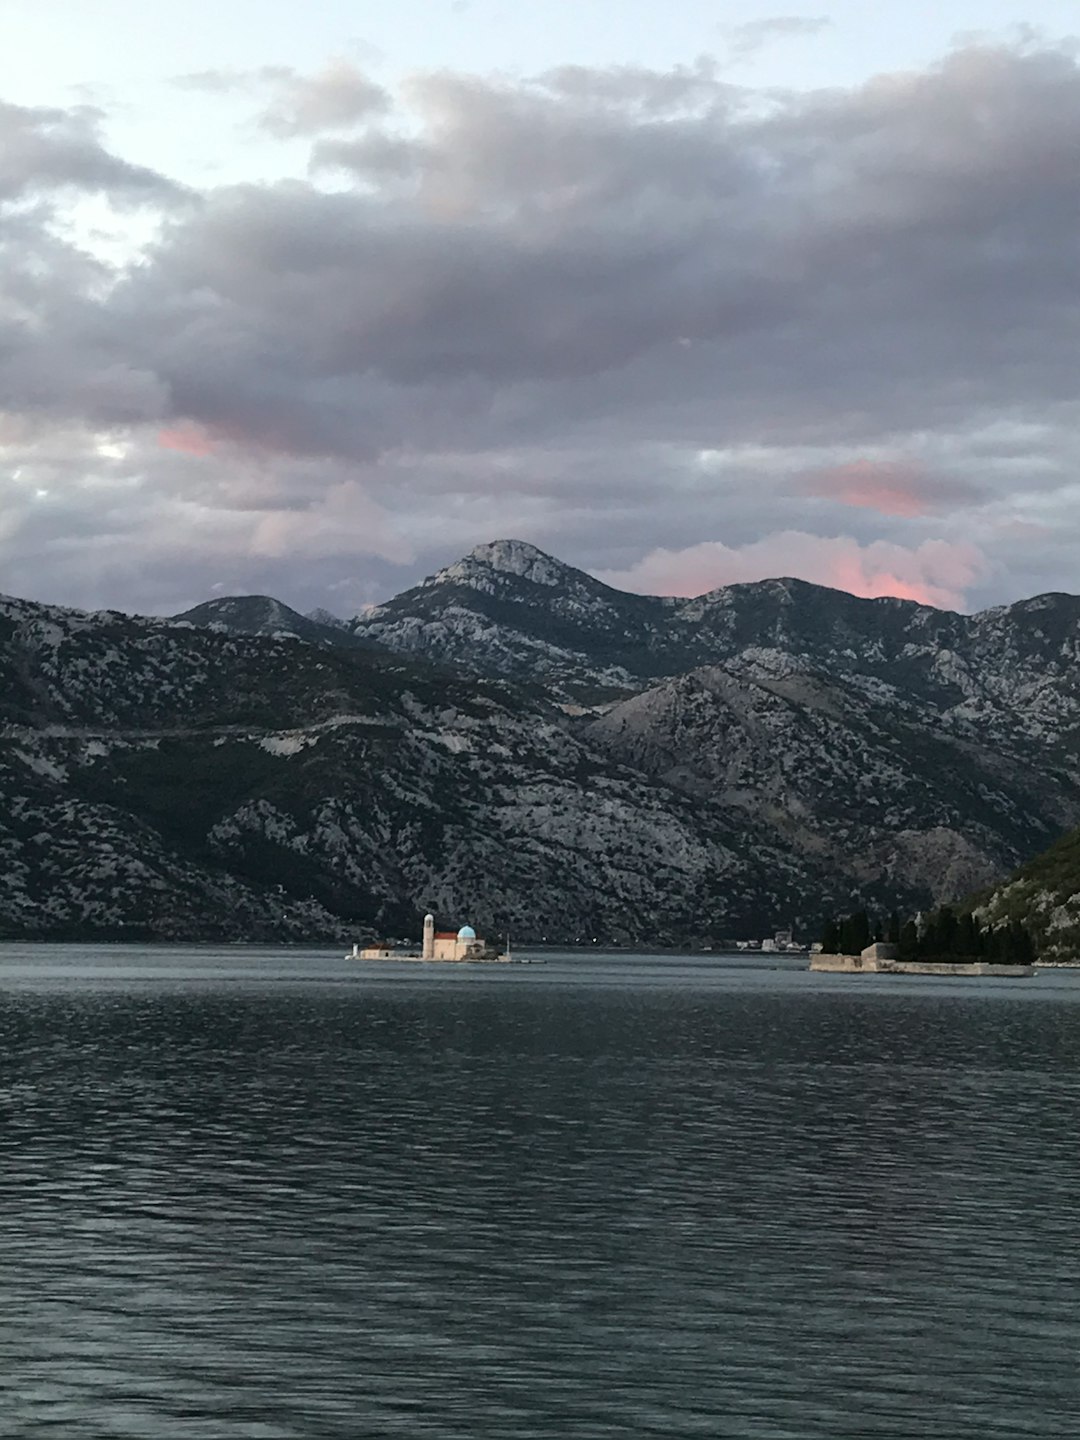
(888, 486)
(187, 440)
(937, 572)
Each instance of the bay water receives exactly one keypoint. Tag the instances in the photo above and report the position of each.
(275, 1194)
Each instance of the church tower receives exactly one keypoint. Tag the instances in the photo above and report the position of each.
(428, 952)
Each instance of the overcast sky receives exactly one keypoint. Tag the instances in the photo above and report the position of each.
(310, 300)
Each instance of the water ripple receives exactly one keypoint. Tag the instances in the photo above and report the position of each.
(262, 1196)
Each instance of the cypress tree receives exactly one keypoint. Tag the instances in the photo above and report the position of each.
(893, 932)
(1019, 949)
(860, 925)
(928, 936)
(830, 937)
(966, 940)
(947, 928)
(980, 938)
(909, 941)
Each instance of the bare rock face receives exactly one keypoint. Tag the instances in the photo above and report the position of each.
(909, 748)
(177, 781)
(855, 777)
(516, 744)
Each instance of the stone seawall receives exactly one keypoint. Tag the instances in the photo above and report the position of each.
(860, 965)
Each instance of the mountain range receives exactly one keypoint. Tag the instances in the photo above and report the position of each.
(516, 743)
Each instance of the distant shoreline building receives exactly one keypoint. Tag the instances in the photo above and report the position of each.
(782, 943)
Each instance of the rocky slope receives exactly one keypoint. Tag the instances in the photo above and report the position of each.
(1044, 895)
(902, 745)
(866, 778)
(582, 762)
(169, 780)
(262, 615)
(508, 609)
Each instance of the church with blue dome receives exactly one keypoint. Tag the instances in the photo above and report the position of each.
(460, 945)
(463, 944)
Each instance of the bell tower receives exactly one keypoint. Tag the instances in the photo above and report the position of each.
(428, 952)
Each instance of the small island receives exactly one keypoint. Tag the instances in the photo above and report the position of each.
(461, 946)
(942, 943)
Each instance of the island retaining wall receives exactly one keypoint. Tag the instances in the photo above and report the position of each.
(866, 965)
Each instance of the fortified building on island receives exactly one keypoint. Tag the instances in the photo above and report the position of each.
(445, 945)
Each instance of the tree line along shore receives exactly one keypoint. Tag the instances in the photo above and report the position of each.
(943, 934)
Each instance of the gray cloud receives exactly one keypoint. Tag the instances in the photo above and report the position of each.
(46, 149)
(746, 40)
(610, 310)
(224, 82)
(336, 98)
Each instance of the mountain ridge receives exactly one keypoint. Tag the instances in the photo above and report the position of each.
(513, 728)
(184, 782)
(263, 615)
(477, 614)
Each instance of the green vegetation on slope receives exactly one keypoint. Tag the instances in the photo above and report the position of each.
(1044, 897)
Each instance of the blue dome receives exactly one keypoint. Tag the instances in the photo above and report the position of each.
(466, 933)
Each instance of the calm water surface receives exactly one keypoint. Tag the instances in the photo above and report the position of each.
(268, 1194)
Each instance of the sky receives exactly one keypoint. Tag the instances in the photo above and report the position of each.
(310, 300)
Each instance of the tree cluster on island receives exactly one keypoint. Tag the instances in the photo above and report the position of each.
(942, 934)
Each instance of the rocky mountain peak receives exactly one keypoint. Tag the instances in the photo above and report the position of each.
(247, 610)
(263, 615)
(508, 558)
(327, 617)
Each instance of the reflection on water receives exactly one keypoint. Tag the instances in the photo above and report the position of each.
(269, 1195)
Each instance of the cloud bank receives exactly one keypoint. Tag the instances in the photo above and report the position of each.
(934, 573)
(671, 329)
